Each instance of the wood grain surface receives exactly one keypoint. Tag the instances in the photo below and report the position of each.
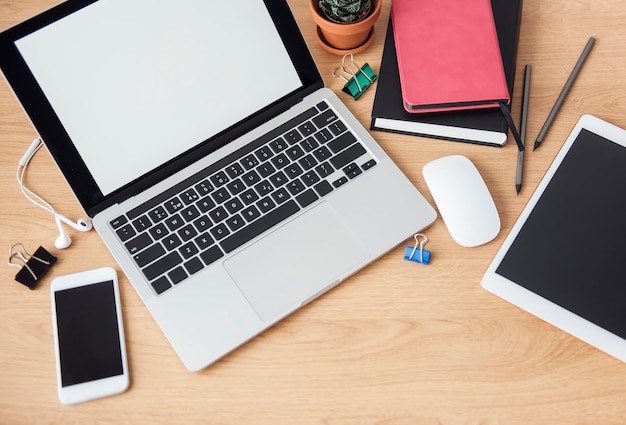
(398, 343)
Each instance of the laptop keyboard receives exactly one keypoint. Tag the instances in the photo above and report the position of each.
(220, 208)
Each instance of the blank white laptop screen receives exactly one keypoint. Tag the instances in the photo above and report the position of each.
(174, 96)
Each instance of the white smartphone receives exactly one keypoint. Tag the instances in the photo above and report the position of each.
(88, 336)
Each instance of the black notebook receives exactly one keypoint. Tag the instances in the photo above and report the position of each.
(484, 126)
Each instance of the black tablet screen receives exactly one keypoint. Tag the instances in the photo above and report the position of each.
(572, 248)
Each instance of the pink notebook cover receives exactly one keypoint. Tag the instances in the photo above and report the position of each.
(448, 55)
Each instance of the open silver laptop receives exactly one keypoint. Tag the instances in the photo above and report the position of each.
(231, 187)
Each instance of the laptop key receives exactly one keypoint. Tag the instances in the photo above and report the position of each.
(322, 105)
(121, 220)
(174, 205)
(211, 255)
(323, 188)
(137, 244)
(162, 265)
(307, 128)
(308, 162)
(323, 136)
(177, 275)
(159, 231)
(218, 214)
(188, 250)
(324, 169)
(309, 144)
(171, 241)
(194, 265)
(266, 169)
(265, 204)
(264, 223)
(293, 136)
(307, 197)
(235, 222)
(251, 213)
(251, 178)
(341, 142)
(174, 222)
(218, 179)
(204, 241)
(190, 213)
(281, 195)
(278, 145)
(158, 214)
(337, 127)
(187, 232)
(234, 170)
(340, 181)
(161, 285)
(369, 164)
(126, 232)
(149, 255)
(220, 231)
(204, 187)
(295, 187)
(347, 156)
(249, 162)
(325, 118)
(264, 153)
(322, 153)
(220, 195)
(310, 178)
(352, 170)
(190, 196)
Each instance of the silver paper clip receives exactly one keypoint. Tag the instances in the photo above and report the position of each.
(33, 267)
(410, 252)
(357, 78)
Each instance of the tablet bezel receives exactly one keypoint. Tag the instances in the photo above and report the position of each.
(534, 303)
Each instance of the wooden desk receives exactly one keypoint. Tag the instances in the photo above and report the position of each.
(399, 343)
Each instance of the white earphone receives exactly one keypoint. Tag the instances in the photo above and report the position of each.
(82, 225)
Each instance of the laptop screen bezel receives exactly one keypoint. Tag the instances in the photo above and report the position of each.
(59, 144)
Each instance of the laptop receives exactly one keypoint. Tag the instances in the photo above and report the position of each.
(231, 186)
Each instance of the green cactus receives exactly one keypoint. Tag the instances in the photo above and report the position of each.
(345, 10)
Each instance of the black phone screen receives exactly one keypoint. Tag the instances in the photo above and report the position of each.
(88, 332)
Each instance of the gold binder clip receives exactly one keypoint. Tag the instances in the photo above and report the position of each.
(357, 78)
(33, 267)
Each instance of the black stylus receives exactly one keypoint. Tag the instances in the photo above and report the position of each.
(566, 88)
(523, 121)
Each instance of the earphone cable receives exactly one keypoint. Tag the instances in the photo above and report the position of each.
(21, 173)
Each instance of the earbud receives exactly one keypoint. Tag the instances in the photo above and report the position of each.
(82, 225)
(63, 240)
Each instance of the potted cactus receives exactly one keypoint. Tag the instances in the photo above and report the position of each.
(345, 11)
(345, 25)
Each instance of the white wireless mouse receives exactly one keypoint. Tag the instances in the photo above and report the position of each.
(463, 200)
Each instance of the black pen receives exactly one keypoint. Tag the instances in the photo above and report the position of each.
(523, 121)
(566, 88)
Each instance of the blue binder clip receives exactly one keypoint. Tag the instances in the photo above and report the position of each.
(357, 78)
(417, 253)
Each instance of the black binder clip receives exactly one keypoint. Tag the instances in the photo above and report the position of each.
(33, 267)
(357, 78)
(417, 253)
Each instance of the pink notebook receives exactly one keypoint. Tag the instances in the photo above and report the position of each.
(448, 55)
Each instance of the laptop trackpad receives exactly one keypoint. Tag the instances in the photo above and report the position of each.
(296, 261)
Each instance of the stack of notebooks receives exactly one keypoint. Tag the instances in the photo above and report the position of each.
(412, 95)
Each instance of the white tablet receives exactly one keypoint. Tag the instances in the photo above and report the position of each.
(565, 258)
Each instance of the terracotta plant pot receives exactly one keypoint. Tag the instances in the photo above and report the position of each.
(341, 38)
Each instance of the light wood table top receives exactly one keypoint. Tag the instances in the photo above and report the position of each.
(398, 343)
